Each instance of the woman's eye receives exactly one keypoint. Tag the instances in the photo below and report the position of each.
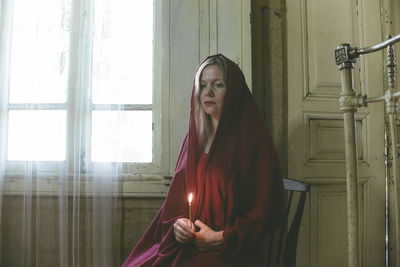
(202, 85)
(219, 85)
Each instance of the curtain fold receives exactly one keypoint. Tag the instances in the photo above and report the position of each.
(54, 212)
(71, 226)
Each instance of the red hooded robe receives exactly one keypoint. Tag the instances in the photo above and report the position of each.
(239, 189)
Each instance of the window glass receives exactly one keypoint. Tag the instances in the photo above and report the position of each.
(40, 52)
(122, 136)
(37, 135)
(122, 52)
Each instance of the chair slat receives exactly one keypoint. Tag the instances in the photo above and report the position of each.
(290, 242)
(295, 185)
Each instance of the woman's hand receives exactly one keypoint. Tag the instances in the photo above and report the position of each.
(208, 239)
(184, 230)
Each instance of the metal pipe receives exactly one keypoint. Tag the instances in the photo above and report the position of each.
(352, 189)
(396, 94)
(395, 169)
(392, 108)
(348, 108)
(366, 50)
(375, 99)
(388, 95)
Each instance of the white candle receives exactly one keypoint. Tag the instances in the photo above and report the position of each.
(190, 197)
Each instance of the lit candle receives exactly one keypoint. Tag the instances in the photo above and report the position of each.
(190, 197)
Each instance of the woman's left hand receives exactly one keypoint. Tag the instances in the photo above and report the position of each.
(207, 239)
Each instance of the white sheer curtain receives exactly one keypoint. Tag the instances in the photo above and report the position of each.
(76, 114)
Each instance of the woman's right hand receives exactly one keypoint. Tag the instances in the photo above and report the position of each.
(184, 230)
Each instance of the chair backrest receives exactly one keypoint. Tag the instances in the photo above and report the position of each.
(283, 246)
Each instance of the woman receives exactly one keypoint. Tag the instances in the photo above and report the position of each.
(230, 165)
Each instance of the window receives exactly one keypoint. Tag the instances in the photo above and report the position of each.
(79, 78)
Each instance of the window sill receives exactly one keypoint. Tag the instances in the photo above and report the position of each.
(138, 185)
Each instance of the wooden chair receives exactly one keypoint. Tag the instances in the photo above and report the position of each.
(282, 246)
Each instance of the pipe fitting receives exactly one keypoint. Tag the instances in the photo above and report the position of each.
(352, 102)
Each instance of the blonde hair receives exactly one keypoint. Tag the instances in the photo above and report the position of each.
(203, 120)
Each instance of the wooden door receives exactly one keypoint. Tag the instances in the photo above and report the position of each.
(315, 127)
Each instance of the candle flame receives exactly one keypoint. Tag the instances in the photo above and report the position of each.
(190, 198)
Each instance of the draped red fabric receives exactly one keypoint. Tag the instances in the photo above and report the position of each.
(239, 189)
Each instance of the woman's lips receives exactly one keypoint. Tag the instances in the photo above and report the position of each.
(209, 103)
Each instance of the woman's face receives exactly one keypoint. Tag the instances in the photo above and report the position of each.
(213, 91)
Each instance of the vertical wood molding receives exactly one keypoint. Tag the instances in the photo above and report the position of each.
(165, 82)
(161, 83)
(213, 26)
(304, 47)
(246, 42)
(204, 37)
(295, 62)
(296, 84)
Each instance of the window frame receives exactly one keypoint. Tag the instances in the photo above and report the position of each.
(79, 76)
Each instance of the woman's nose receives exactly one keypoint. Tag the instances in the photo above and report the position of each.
(210, 91)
